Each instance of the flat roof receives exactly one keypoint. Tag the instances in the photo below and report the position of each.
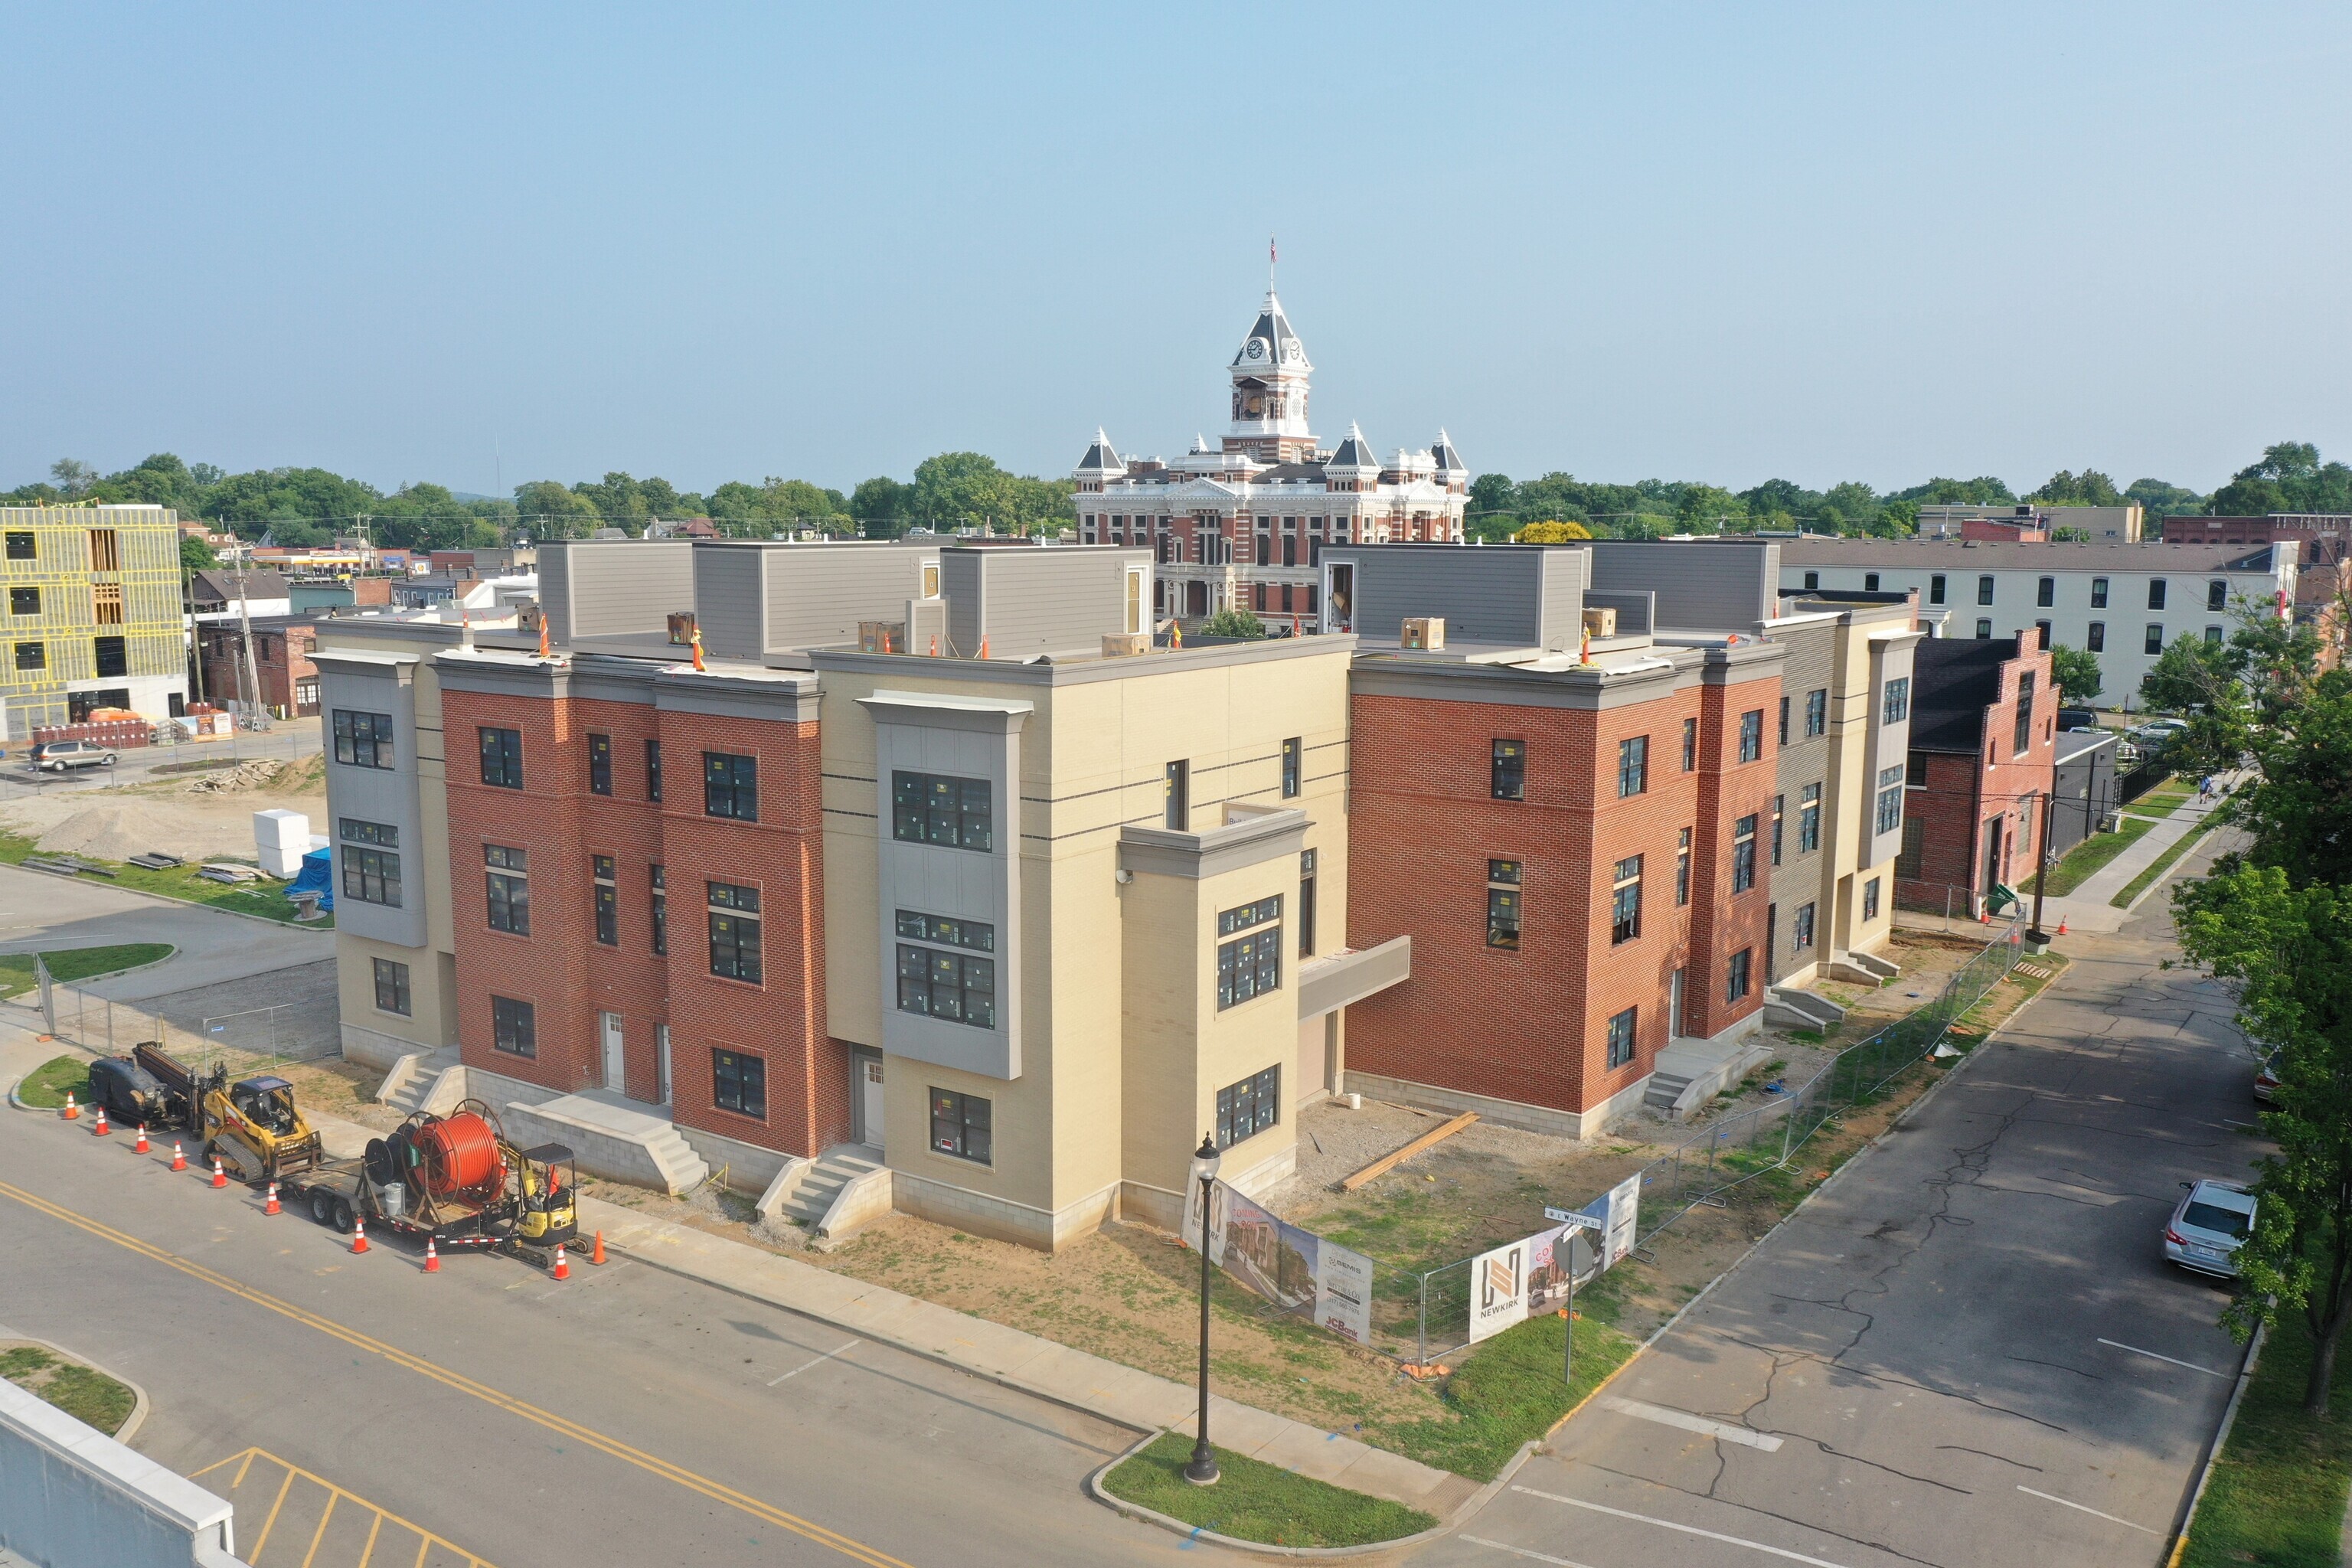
(2009, 555)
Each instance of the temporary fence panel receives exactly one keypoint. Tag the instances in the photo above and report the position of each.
(1726, 1153)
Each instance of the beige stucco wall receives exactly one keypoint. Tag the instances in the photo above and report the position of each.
(1110, 973)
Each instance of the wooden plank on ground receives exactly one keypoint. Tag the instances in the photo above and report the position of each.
(1389, 1162)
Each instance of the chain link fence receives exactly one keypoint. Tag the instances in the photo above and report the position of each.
(1426, 1314)
(245, 1042)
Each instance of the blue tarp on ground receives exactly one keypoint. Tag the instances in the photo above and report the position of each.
(316, 876)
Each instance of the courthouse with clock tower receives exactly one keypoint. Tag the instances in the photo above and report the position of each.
(1243, 524)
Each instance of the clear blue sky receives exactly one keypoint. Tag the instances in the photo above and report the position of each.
(473, 243)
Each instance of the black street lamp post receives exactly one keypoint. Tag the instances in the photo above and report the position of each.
(1202, 1470)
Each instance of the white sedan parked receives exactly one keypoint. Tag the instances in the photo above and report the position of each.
(2210, 1222)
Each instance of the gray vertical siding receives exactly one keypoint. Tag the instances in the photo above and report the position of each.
(1487, 594)
(816, 596)
(960, 586)
(1636, 613)
(730, 604)
(1702, 584)
(1053, 601)
(1566, 574)
(616, 588)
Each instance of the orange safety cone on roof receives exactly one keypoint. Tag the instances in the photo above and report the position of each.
(141, 1147)
(220, 1177)
(102, 1130)
(179, 1161)
(73, 1111)
(598, 1256)
(271, 1207)
(432, 1257)
(562, 1269)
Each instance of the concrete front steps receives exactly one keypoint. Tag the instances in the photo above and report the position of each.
(611, 1137)
(1787, 1007)
(844, 1188)
(1689, 1073)
(417, 1081)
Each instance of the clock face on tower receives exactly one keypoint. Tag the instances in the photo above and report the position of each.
(1257, 348)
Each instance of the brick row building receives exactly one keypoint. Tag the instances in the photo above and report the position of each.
(994, 939)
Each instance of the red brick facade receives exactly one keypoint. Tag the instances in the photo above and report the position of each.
(1531, 1024)
(570, 978)
(1974, 818)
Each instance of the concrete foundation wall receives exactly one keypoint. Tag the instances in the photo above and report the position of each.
(1589, 1123)
(596, 1150)
(749, 1168)
(71, 1497)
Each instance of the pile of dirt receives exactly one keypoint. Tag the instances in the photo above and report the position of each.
(115, 825)
(305, 776)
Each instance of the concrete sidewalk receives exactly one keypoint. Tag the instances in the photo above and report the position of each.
(2087, 907)
(1004, 1357)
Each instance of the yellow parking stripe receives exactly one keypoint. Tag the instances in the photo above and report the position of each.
(271, 1523)
(718, 1491)
(319, 1534)
(335, 1496)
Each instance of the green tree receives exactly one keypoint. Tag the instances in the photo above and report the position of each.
(1984, 491)
(2090, 488)
(2299, 805)
(2077, 671)
(2160, 501)
(2066, 533)
(546, 509)
(72, 476)
(1553, 531)
(2289, 950)
(1234, 622)
(2191, 673)
(879, 506)
(195, 555)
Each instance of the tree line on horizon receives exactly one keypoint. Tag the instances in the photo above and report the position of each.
(960, 490)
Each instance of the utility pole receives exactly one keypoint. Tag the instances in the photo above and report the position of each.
(2041, 861)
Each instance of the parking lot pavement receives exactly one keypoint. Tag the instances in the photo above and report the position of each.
(1966, 1350)
(626, 1416)
(39, 912)
(135, 764)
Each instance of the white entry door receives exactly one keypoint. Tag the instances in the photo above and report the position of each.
(615, 1065)
(869, 1110)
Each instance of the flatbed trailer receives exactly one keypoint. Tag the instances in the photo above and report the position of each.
(341, 1193)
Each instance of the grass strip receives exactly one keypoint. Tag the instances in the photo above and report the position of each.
(1253, 1500)
(2278, 1488)
(17, 975)
(267, 900)
(88, 1395)
(2079, 863)
(1506, 1394)
(2161, 864)
(46, 1085)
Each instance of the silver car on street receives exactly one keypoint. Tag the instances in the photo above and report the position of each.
(2212, 1221)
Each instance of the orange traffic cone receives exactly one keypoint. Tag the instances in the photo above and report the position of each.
(141, 1147)
(73, 1112)
(432, 1257)
(220, 1177)
(271, 1207)
(359, 1233)
(598, 1256)
(1984, 917)
(562, 1269)
(102, 1130)
(179, 1161)
(2062, 925)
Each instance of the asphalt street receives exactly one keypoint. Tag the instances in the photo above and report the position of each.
(1966, 1350)
(41, 911)
(625, 1416)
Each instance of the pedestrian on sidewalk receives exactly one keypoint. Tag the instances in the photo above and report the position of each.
(2205, 789)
